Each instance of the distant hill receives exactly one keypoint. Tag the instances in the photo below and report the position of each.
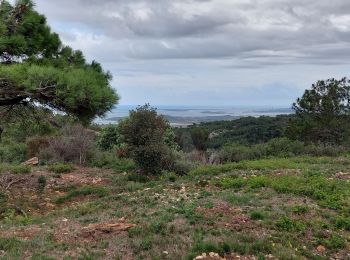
(244, 130)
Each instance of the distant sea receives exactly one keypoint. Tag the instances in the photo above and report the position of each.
(186, 115)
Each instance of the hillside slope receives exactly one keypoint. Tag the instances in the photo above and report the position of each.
(294, 208)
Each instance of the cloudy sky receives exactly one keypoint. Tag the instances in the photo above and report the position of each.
(208, 52)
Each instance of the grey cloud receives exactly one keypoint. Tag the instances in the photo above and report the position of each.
(309, 31)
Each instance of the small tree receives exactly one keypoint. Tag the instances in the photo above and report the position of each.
(36, 70)
(145, 135)
(322, 113)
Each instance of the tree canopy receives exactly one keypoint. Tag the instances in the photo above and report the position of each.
(322, 113)
(37, 70)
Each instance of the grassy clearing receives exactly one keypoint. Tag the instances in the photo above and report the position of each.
(256, 208)
(270, 164)
(330, 193)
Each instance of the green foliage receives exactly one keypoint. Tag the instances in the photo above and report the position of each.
(244, 131)
(48, 74)
(144, 133)
(279, 147)
(288, 224)
(16, 169)
(61, 168)
(199, 137)
(41, 183)
(83, 191)
(13, 153)
(257, 215)
(20, 169)
(343, 222)
(109, 137)
(300, 209)
(334, 242)
(110, 159)
(328, 193)
(322, 113)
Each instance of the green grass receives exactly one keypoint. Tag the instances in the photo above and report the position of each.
(327, 192)
(266, 164)
(252, 208)
(84, 191)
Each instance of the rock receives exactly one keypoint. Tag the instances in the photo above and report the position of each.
(321, 249)
(32, 162)
(214, 255)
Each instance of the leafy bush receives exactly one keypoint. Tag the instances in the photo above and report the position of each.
(144, 133)
(17, 169)
(110, 160)
(61, 168)
(109, 137)
(287, 224)
(279, 147)
(236, 153)
(257, 215)
(182, 167)
(284, 147)
(20, 169)
(13, 153)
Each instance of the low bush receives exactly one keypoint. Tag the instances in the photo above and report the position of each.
(61, 168)
(20, 169)
(16, 169)
(182, 167)
(278, 147)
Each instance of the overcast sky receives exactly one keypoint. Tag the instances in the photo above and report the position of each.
(208, 52)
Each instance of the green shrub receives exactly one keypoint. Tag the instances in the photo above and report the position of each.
(41, 184)
(257, 215)
(287, 224)
(17, 169)
(123, 165)
(20, 169)
(13, 153)
(144, 132)
(300, 209)
(182, 167)
(109, 137)
(334, 242)
(325, 150)
(343, 222)
(284, 147)
(61, 168)
(236, 153)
